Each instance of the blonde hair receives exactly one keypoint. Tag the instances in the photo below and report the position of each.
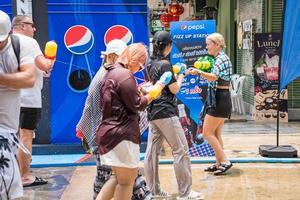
(18, 19)
(217, 38)
(136, 52)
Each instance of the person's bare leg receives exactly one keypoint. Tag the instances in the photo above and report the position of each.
(125, 179)
(24, 159)
(209, 127)
(218, 133)
(108, 189)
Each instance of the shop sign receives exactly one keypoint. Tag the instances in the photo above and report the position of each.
(156, 25)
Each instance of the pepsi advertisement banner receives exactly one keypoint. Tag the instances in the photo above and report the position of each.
(188, 45)
(82, 29)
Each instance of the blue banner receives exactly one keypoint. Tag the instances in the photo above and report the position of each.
(290, 61)
(188, 45)
(189, 40)
(6, 6)
(82, 28)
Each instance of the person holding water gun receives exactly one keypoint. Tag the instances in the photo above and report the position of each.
(218, 110)
(91, 117)
(164, 123)
(31, 98)
(118, 134)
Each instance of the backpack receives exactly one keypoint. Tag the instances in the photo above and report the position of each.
(15, 41)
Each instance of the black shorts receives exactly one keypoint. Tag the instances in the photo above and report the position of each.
(223, 107)
(29, 118)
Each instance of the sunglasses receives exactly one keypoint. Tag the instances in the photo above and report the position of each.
(28, 23)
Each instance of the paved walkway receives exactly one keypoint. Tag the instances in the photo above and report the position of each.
(246, 181)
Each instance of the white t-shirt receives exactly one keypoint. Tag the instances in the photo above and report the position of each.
(10, 98)
(32, 97)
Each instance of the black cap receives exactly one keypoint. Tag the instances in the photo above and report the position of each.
(162, 37)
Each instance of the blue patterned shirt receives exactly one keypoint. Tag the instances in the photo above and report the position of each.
(222, 67)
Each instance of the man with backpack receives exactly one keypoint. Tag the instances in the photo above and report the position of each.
(15, 73)
(31, 100)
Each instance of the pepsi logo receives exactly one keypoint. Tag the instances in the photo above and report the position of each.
(118, 32)
(183, 27)
(79, 39)
(192, 80)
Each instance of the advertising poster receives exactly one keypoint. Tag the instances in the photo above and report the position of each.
(188, 45)
(82, 29)
(266, 69)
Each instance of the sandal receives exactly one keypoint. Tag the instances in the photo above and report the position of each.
(37, 181)
(212, 168)
(222, 168)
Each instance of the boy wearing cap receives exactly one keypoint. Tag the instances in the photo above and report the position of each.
(12, 77)
(92, 115)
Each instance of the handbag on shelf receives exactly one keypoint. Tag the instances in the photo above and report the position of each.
(210, 101)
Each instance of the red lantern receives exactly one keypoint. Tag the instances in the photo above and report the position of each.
(180, 9)
(175, 17)
(176, 9)
(166, 18)
(169, 10)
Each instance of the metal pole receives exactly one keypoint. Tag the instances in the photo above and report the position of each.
(279, 74)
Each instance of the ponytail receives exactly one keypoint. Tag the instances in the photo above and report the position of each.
(158, 48)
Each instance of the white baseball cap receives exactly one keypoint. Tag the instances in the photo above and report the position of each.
(5, 25)
(115, 46)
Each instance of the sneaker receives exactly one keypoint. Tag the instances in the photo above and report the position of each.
(161, 195)
(192, 196)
